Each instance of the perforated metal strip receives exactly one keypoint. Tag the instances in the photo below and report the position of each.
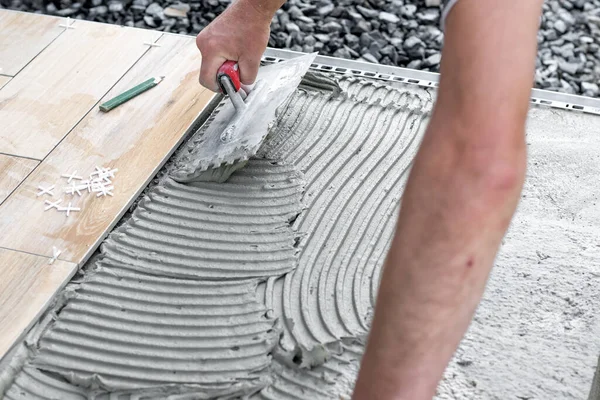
(426, 79)
(361, 73)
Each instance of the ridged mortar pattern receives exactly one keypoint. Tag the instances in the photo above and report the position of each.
(125, 330)
(212, 230)
(261, 287)
(355, 151)
(333, 379)
(37, 385)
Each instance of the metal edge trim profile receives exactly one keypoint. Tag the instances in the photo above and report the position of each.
(426, 79)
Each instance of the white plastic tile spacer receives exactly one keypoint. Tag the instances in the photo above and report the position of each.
(74, 189)
(68, 209)
(109, 173)
(86, 185)
(43, 191)
(97, 172)
(68, 25)
(55, 253)
(105, 191)
(97, 184)
(72, 176)
(153, 43)
(51, 204)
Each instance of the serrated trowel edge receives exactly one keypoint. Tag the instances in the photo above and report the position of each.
(275, 84)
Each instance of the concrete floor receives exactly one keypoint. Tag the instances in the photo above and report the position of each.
(535, 335)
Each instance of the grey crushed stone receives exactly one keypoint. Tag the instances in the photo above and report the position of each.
(569, 35)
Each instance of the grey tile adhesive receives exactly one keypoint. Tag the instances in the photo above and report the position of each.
(233, 135)
(262, 287)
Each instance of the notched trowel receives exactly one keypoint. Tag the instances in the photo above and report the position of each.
(237, 128)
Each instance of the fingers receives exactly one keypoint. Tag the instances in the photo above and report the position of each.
(247, 88)
(248, 70)
(211, 61)
(208, 72)
(216, 48)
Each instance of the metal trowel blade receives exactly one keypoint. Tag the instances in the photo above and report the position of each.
(230, 137)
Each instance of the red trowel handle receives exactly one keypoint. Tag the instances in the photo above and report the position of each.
(232, 71)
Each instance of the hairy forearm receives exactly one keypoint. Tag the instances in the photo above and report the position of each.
(451, 223)
(265, 7)
(458, 203)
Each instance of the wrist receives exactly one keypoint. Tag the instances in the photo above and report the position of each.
(264, 10)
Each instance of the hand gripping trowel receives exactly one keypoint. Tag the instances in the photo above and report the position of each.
(236, 129)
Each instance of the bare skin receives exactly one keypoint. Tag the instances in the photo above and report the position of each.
(458, 203)
(241, 34)
(460, 197)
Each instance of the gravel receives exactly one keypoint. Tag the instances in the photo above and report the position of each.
(393, 32)
(569, 47)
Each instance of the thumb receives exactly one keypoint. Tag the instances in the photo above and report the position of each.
(208, 71)
(248, 69)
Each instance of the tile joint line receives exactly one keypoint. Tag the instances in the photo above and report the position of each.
(18, 156)
(32, 254)
(68, 24)
(55, 253)
(154, 43)
(42, 50)
(94, 106)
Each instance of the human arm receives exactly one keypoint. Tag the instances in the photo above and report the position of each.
(241, 34)
(462, 192)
